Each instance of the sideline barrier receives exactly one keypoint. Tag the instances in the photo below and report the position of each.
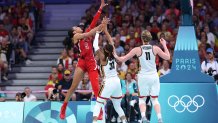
(41, 91)
(45, 112)
(11, 112)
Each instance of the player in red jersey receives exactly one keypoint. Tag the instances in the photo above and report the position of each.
(86, 61)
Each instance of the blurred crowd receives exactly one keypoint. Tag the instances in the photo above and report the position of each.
(19, 21)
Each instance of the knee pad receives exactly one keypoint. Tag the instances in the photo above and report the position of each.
(142, 100)
(154, 101)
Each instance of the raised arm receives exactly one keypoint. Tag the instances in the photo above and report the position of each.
(133, 52)
(79, 36)
(166, 54)
(96, 17)
(108, 36)
(95, 42)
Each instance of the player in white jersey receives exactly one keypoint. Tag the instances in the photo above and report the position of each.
(148, 80)
(111, 87)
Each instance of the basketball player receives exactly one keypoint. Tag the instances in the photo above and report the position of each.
(148, 80)
(111, 87)
(86, 61)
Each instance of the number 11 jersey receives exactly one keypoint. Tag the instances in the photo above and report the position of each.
(147, 60)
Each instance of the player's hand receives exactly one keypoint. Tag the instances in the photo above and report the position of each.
(103, 4)
(163, 41)
(105, 20)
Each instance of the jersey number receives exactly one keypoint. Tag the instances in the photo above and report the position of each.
(148, 56)
(112, 65)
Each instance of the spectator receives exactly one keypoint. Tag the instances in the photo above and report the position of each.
(7, 24)
(65, 84)
(210, 36)
(5, 53)
(18, 97)
(20, 45)
(51, 85)
(210, 65)
(118, 47)
(84, 85)
(164, 69)
(54, 73)
(29, 96)
(3, 32)
(2, 95)
(132, 69)
(64, 59)
(130, 98)
(60, 71)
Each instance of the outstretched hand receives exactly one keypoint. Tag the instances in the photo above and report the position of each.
(104, 22)
(103, 4)
(163, 41)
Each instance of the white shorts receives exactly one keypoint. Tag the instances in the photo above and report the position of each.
(149, 85)
(111, 88)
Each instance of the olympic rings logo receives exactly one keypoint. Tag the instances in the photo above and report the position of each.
(175, 102)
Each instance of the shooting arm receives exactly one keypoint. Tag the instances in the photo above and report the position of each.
(95, 20)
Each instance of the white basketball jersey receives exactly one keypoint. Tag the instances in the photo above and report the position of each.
(147, 60)
(109, 70)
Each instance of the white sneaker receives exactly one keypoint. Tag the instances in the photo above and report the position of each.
(140, 121)
(118, 120)
(113, 119)
(132, 103)
(28, 62)
(145, 120)
(4, 78)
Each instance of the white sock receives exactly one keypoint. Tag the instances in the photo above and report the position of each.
(124, 121)
(159, 116)
(94, 122)
(143, 114)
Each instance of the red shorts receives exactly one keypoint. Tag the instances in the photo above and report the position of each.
(90, 66)
(87, 65)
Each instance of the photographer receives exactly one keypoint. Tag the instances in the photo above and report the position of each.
(210, 65)
(28, 96)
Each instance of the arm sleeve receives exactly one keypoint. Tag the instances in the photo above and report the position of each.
(94, 21)
(95, 43)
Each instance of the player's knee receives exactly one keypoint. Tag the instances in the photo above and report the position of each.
(100, 100)
(142, 100)
(155, 101)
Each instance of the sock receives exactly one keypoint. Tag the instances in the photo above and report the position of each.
(94, 122)
(143, 114)
(124, 121)
(159, 116)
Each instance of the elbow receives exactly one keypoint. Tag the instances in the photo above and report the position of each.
(167, 58)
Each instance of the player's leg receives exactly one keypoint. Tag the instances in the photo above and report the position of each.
(143, 90)
(98, 107)
(155, 90)
(93, 76)
(78, 75)
(116, 98)
(104, 93)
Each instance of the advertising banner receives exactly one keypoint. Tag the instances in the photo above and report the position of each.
(187, 103)
(48, 112)
(11, 112)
